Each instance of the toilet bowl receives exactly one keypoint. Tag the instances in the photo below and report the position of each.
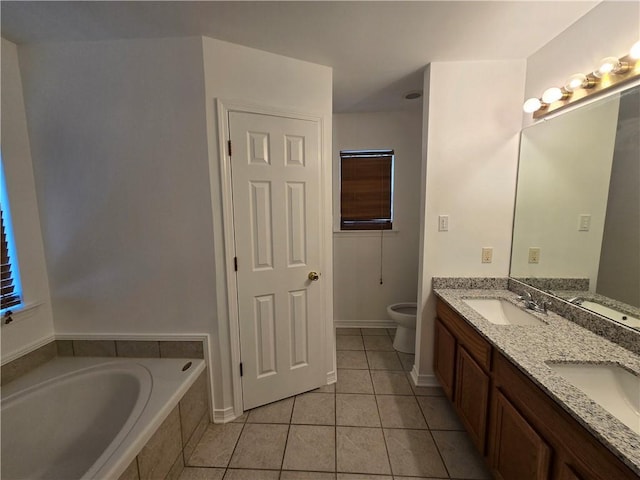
(404, 314)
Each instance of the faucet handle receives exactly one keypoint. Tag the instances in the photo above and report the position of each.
(526, 296)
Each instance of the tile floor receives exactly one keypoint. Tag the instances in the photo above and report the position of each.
(372, 424)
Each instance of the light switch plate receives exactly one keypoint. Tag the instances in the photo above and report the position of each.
(584, 224)
(443, 223)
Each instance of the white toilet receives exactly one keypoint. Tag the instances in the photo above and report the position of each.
(404, 314)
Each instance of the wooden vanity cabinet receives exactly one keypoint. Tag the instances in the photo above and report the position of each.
(462, 363)
(523, 433)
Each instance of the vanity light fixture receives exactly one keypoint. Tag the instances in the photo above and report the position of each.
(579, 80)
(554, 94)
(611, 65)
(611, 71)
(533, 105)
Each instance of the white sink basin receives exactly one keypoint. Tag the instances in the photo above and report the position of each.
(613, 388)
(502, 312)
(611, 313)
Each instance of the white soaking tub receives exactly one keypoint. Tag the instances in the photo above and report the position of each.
(87, 418)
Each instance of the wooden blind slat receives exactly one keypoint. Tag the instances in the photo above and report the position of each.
(365, 196)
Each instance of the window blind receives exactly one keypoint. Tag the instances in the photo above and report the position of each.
(366, 179)
(8, 297)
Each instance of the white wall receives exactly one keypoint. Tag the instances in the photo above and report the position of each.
(472, 125)
(564, 172)
(359, 299)
(33, 327)
(236, 73)
(609, 29)
(125, 150)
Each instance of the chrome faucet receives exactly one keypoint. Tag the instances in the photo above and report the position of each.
(531, 304)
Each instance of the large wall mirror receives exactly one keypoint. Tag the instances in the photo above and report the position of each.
(577, 217)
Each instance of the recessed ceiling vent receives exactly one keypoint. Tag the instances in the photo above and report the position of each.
(412, 95)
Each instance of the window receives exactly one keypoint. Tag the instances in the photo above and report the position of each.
(366, 189)
(9, 274)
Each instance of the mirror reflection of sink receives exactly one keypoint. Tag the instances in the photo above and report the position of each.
(613, 388)
(611, 313)
(502, 312)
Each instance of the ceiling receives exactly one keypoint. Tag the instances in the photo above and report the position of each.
(377, 49)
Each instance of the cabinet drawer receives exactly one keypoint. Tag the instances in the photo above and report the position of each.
(478, 347)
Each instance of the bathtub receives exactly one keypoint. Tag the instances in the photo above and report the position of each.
(87, 418)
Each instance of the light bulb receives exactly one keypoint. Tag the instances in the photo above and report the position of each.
(635, 51)
(532, 105)
(578, 80)
(552, 94)
(611, 65)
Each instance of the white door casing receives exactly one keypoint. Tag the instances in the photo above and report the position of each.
(277, 206)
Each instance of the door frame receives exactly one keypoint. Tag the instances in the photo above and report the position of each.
(224, 107)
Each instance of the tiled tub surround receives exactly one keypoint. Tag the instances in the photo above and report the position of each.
(557, 341)
(161, 410)
(100, 348)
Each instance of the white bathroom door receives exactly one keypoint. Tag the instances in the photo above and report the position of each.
(275, 169)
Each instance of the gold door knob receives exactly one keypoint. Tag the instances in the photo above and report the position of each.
(313, 276)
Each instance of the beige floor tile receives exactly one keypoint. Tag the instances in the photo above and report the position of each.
(348, 331)
(400, 411)
(363, 476)
(293, 475)
(352, 359)
(374, 331)
(378, 342)
(417, 478)
(310, 447)
(314, 409)
(383, 360)
(460, 456)
(244, 474)
(349, 342)
(191, 473)
(260, 446)
(216, 445)
(413, 453)
(354, 381)
(391, 332)
(390, 383)
(276, 412)
(357, 410)
(361, 450)
(326, 389)
(242, 418)
(439, 413)
(407, 360)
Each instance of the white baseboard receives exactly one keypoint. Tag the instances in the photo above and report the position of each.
(224, 415)
(364, 324)
(28, 349)
(423, 380)
(332, 377)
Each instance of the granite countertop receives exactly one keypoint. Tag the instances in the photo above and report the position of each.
(557, 341)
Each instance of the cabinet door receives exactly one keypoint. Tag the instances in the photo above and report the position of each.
(517, 452)
(472, 397)
(444, 357)
(567, 473)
